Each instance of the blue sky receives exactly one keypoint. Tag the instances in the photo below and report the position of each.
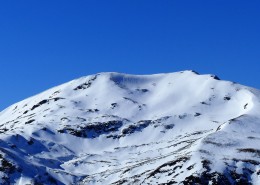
(46, 43)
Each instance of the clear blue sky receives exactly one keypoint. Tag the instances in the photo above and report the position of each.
(44, 43)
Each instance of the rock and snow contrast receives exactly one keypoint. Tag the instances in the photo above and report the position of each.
(111, 128)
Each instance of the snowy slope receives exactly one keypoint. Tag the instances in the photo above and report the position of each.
(111, 128)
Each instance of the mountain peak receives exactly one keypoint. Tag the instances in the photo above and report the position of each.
(114, 128)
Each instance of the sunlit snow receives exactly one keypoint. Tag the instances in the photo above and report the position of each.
(111, 128)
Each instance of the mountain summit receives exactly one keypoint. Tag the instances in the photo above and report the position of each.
(111, 128)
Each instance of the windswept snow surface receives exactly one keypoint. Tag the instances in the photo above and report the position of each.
(111, 128)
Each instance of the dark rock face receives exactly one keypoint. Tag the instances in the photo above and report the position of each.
(94, 130)
(8, 169)
(229, 177)
(87, 84)
(137, 127)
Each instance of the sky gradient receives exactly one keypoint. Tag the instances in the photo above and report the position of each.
(46, 43)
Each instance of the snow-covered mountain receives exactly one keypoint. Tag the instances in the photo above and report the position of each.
(111, 128)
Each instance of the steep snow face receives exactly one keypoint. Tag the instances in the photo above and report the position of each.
(111, 128)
